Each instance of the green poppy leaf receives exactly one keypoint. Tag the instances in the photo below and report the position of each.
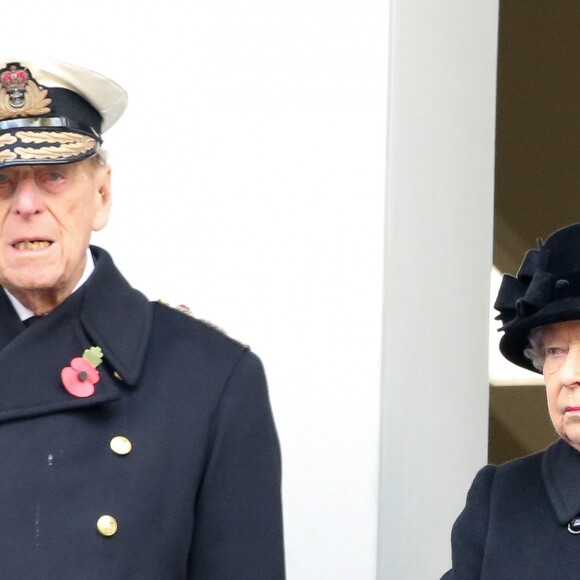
(94, 355)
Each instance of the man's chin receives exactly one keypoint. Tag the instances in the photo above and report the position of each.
(31, 287)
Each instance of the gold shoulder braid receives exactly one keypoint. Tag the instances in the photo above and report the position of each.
(186, 310)
(181, 308)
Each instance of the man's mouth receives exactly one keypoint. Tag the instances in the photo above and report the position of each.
(32, 245)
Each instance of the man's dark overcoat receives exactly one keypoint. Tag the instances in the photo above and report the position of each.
(515, 522)
(197, 497)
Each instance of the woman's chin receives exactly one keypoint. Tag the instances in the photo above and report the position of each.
(572, 434)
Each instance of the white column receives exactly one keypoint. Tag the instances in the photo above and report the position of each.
(439, 221)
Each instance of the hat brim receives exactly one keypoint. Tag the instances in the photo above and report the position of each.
(31, 146)
(515, 339)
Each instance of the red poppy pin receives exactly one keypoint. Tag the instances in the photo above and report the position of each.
(80, 378)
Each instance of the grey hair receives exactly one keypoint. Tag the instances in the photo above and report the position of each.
(100, 156)
(535, 350)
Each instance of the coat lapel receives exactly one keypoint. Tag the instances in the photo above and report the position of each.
(117, 317)
(10, 325)
(104, 312)
(561, 473)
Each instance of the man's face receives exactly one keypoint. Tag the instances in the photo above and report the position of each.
(47, 214)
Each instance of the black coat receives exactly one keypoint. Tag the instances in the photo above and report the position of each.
(197, 497)
(515, 522)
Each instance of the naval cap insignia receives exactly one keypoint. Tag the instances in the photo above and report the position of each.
(20, 95)
(14, 81)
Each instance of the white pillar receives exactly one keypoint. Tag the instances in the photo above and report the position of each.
(439, 226)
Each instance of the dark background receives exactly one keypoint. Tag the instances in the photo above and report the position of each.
(537, 184)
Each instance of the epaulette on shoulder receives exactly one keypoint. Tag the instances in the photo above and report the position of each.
(187, 311)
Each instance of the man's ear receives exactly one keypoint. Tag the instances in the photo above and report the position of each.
(102, 197)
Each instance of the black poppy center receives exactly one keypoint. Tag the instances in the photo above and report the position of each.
(82, 376)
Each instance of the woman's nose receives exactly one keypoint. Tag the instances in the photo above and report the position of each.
(569, 372)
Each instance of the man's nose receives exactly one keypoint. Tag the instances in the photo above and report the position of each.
(27, 199)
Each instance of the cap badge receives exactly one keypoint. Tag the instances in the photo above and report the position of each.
(20, 96)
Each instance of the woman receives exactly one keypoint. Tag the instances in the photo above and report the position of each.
(522, 519)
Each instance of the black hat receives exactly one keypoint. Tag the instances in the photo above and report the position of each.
(545, 290)
(54, 112)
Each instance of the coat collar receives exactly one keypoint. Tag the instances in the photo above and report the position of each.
(104, 312)
(561, 473)
(116, 317)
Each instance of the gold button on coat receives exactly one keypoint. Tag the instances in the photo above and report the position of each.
(120, 445)
(107, 525)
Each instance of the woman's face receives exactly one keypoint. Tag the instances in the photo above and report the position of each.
(561, 342)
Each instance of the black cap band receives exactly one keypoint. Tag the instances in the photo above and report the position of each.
(52, 122)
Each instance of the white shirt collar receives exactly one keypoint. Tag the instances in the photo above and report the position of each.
(25, 313)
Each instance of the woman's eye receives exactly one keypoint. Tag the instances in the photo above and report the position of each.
(554, 350)
(4, 178)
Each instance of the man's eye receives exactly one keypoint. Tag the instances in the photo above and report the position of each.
(4, 178)
(54, 176)
(554, 350)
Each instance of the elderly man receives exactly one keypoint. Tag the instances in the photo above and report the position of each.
(136, 442)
